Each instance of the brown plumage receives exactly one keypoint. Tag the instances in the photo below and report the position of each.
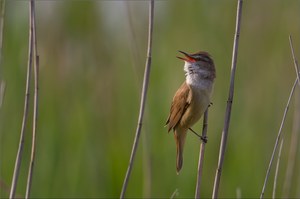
(191, 99)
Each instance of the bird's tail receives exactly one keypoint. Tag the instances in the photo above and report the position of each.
(179, 136)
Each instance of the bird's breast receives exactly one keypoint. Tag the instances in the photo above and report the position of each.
(199, 103)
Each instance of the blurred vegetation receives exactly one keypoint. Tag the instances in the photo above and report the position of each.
(92, 56)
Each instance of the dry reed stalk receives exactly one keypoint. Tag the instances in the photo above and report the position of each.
(136, 57)
(294, 59)
(174, 194)
(284, 116)
(35, 102)
(143, 99)
(293, 149)
(229, 101)
(277, 169)
(277, 139)
(25, 115)
(294, 137)
(201, 155)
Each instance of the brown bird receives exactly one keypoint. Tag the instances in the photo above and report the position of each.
(191, 99)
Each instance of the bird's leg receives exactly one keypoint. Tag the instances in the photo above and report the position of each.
(203, 138)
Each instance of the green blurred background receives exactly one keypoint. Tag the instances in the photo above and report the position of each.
(92, 57)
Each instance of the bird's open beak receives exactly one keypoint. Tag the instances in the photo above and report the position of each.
(187, 57)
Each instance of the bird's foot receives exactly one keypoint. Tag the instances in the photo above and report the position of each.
(203, 138)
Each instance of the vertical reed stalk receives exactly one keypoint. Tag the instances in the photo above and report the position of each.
(292, 157)
(283, 119)
(294, 59)
(136, 57)
(295, 134)
(201, 155)
(276, 170)
(25, 114)
(277, 139)
(35, 102)
(229, 101)
(143, 99)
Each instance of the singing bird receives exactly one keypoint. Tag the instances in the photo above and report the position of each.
(192, 98)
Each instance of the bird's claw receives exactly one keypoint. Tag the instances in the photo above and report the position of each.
(204, 139)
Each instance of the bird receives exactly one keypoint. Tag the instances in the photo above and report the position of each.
(191, 99)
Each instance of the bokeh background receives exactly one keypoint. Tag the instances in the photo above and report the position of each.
(92, 57)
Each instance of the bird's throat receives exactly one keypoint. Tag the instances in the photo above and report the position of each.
(195, 81)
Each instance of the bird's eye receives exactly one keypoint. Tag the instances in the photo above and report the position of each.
(204, 58)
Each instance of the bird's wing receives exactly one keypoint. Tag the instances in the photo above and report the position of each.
(180, 103)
